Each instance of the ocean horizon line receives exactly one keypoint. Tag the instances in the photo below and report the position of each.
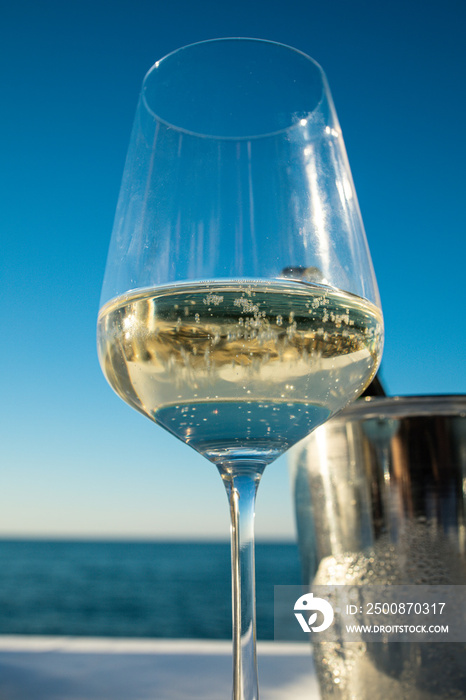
(137, 539)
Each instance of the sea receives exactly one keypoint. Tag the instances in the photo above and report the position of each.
(133, 589)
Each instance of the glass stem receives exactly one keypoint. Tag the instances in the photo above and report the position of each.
(241, 482)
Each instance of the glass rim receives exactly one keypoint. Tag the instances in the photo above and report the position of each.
(404, 406)
(239, 39)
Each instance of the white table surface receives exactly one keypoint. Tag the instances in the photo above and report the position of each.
(65, 668)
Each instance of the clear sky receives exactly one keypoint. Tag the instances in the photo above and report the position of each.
(75, 460)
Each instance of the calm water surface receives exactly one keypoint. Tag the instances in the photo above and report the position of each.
(129, 589)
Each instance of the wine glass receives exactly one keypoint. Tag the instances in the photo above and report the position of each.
(239, 309)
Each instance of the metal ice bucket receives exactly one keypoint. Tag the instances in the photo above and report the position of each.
(380, 498)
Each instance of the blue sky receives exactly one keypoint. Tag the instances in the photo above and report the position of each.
(75, 460)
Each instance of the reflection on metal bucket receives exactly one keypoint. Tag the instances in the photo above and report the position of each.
(380, 494)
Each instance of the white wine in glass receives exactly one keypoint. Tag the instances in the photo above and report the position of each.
(239, 308)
